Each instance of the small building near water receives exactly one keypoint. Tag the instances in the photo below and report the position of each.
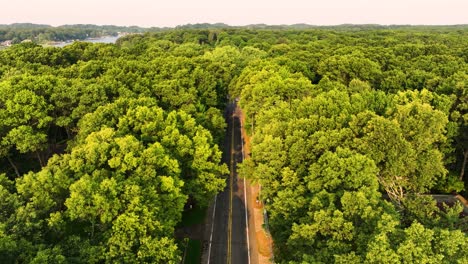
(6, 43)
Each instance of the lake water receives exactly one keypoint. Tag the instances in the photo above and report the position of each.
(108, 39)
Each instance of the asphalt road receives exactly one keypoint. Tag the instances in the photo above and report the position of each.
(229, 238)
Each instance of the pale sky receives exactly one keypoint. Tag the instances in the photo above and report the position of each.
(161, 13)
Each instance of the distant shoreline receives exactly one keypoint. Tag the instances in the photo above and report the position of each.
(103, 39)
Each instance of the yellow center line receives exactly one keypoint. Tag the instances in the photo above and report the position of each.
(230, 193)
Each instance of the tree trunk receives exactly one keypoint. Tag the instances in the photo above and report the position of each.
(39, 158)
(67, 130)
(14, 166)
(92, 229)
(465, 157)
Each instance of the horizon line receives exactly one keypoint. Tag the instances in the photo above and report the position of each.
(229, 25)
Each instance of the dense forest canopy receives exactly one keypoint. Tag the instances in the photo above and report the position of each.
(102, 145)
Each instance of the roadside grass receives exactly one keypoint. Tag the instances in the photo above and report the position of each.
(192, 248)
(193, 254)
(193, 216)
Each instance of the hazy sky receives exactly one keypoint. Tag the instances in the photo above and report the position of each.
(239, 12)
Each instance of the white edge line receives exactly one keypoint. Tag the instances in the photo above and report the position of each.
(245, 198)
(212, 225)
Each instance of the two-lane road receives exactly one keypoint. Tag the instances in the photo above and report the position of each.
(228, 234)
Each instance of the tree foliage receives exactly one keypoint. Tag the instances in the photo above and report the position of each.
(352, 128)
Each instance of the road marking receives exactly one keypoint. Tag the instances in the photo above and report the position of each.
(231, 175)
(212, 225)
(246, 203)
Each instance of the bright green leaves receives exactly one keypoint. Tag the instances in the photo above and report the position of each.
(25, 139)
(421, 125)
(94, 152)
(380, 247)
(344, 204)
(25, 116)
(452, 245)
(345, 68)
(122, 188)
(93, 199)
(50, 255)
(41, 194)
(119, 194)
(8, 199)
(322, 160)
(208, 181)
(131, 231)
(127, 162)
(175, 133)
(342, 170)
(333, 121)
(26, 107)
(385, 144)
(416, 246)
(289, 201)
(270, 152)
(263, 85)
(405, 146)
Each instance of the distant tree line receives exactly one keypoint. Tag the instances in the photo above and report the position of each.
(45, 33)
(39, 33)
